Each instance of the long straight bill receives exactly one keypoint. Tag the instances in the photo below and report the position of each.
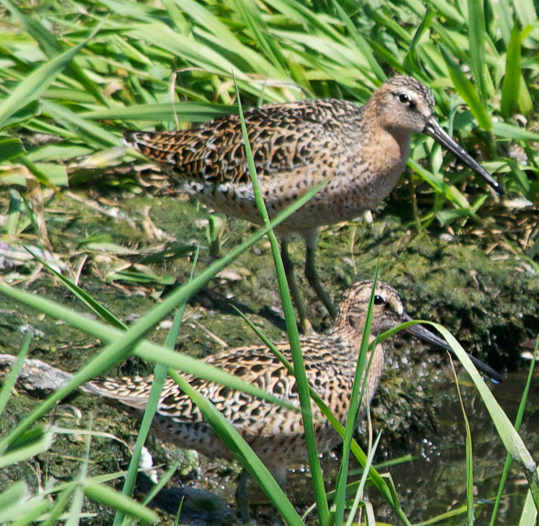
(429, 337)
(440, 135)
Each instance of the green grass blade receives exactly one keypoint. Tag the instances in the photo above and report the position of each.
(248, 11)
(11, 499)
(518, 421)
(32, 513)
(510, 131)
(513, 74)
(357, 395)
(83, 296)
(163, 112)
(35, 84)
(110, 497)
(469, 456)
(11, 380)
(159, 377)
(361, 43)
(10, 148)
(448, 11)
(466, 90)
(503, 16)
(86, 131)
(14, 213)
(529, 513)
(361, 487)
(77, 498)
(28, 444)
(293, 336)
(241, 451)
(450, 192)
(477, 39)
(511, 439)
(411, 61)
(526, 12)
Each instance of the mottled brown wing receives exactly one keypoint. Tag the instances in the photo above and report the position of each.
(283, 137)
(255, 365)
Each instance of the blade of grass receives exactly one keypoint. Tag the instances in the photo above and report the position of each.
(110, 497)
(529, 513)
(159, 377)
(518, 421)
(477, 38)
(466, 90)
(29, 444)
(241, 451)
(513, 74)
(75, 511)
(511, 439)
(469, 454)
(15, 494)
(14, 212)
(33, 515)
(163, 112)
(364, 477)
(526, 12)
(89, 132)
(359, 391)
(83, 296)
(59, 506)
(293, 337)
(503, 15)
(411, 62)
(11, 380)
(510, 131)
(361, 43)
(437, 182)
(255, 24)
(35, 84)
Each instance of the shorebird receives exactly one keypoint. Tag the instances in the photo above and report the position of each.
(362, 150)
(275, 433)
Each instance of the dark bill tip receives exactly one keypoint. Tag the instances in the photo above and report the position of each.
(434, 129)
(429, 337)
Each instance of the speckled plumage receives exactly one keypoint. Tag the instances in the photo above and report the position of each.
(275, 433)
(295, 146)
(361, 149)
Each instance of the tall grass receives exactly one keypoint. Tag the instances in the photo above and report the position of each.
(84, 71)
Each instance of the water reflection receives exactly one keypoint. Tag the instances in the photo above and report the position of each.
(435, 482)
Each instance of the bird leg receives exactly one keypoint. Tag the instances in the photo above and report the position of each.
(314, 280)
(279, 472)
(303, 323)
(242, 499)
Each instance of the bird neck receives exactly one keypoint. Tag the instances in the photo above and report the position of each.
(354, 335)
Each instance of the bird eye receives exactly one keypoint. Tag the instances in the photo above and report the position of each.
(404, 98)
(378, 300)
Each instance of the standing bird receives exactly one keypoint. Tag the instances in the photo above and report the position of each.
(275, 433)
(362, 150)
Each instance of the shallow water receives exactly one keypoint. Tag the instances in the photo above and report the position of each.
(434, 482)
